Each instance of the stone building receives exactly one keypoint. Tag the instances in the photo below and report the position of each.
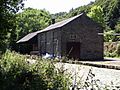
(77, 37)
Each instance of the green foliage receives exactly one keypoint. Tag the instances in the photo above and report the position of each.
(117, 27)
(17, 74)
(118, 50)
(112, 49)
(108, 36)
(31, 20)
(111, 11)
(97, 14)
(8, 8)
(73, 12)
(60, 16)
(107, 10)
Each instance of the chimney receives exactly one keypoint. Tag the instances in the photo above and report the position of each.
(53, 19)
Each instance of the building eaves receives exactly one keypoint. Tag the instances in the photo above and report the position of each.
(27, 37)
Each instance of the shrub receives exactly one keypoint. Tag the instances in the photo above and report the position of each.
(118, 50)
(17, 74)
(112, 49)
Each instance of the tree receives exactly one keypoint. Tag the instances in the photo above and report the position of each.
(111, 11)
(8, 8)
(60, 16)
(96, 13)
(117, 27)
(109, 36)
(31, 20)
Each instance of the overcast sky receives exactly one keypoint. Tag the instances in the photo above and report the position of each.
(55, 6)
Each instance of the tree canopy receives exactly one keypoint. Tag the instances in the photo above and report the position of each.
(8, 8)
(31, 20)
(96, 13)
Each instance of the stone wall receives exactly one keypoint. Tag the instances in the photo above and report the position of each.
(50, 42)
(86, 32)
(82, 30)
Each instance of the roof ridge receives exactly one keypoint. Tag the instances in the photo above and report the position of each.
(61, 23)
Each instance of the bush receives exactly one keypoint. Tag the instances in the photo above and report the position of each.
(118, 50)
(17, 74)
(112, 49)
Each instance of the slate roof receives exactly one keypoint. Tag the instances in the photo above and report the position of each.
(51, 27)
(27, 37)
(60, 24)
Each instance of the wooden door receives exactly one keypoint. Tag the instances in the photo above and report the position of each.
(73, 50)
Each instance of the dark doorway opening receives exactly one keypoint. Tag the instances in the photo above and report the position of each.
(73, 50)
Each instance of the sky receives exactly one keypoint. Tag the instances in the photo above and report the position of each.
(55, 6)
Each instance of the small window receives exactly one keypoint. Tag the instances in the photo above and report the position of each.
(73, 36)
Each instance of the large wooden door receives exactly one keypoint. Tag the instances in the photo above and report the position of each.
(73, 50)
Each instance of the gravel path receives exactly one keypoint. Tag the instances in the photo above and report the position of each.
(106, 76)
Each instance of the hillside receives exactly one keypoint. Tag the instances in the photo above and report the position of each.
(111, 20)
(110, 9)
